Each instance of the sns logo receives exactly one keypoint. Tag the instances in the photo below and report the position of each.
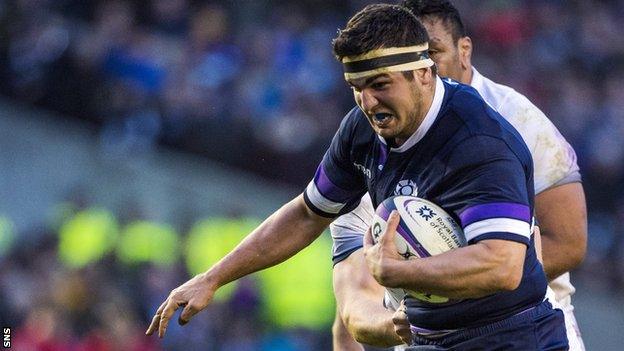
(6, 338)
(406, 187)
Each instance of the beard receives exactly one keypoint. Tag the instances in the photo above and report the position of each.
(414, 117)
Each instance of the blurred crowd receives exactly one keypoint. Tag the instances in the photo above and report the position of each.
(92, 283)
(105, 306)
(253, 84)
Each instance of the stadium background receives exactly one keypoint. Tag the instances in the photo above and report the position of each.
(139, 140)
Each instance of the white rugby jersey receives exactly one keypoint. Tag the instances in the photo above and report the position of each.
(553, 157)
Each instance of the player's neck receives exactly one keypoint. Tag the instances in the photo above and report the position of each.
(419, 115)
(466, 76)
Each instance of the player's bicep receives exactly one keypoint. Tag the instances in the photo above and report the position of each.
(562, 214)
(505, 259)
(509, 251)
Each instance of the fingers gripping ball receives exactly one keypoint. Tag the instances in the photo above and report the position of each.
(425, 230)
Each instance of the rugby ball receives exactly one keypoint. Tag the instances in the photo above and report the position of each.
(425, 230)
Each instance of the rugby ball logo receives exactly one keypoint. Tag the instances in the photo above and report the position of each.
(425, 230)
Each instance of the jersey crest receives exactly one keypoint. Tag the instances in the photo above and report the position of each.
(406, 187)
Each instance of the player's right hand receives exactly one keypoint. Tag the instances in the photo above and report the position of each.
(194, 296)
(401, 325)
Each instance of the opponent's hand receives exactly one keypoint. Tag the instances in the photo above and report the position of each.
(381, 256)
(401, 324)
(194, 296)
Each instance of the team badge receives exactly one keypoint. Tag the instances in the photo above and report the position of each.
(406, 187)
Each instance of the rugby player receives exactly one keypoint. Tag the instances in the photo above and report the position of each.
(560, 202)
(441, 138)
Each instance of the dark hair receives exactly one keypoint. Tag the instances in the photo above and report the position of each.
(379, 26)
(441, 9)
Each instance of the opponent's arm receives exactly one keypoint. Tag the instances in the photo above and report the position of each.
(341, 339)
(559, 199)
(283, 234)
(477, 270)
(562, 216)
(359, 302)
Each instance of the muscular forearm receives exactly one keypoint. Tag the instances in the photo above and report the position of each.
(373, 326)
(562, 217)
(474, 271)
(341, 339)
(286, 232)
(360, 303)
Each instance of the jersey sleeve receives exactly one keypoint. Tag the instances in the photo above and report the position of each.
(492, 190)
(348, 230)
(337, 185)
(555, 162)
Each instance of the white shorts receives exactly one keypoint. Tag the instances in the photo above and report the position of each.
(574, 334)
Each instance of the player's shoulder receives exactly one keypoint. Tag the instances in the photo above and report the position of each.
(482, 148)
(533, 125)
(478, 117)
(511, 104)
(496, 94)
(485, 132)
(462, 99)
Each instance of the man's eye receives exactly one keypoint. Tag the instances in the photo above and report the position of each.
(379, 85)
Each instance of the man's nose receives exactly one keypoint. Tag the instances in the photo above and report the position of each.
(369, 101)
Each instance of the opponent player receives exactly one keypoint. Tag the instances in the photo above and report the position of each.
(441, 137)
(560, 203)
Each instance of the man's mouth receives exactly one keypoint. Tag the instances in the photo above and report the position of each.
(382, 118)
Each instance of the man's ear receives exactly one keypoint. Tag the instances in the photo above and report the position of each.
(464, 46)
(424, 75)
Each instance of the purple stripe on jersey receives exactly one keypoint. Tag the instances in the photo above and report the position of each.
(327, 188)
(495, 210)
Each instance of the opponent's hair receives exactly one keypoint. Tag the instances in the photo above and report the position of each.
(379, 26)
(440, 9)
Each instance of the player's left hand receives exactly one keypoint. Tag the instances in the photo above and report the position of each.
(381, 257)
(401, 324)
(194, 296)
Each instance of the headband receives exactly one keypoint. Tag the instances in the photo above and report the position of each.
(386, 60)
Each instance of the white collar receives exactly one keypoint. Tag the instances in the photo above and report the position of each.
(478, 80)
(427, 122)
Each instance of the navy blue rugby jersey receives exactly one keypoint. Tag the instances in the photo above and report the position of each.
(464, 157)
